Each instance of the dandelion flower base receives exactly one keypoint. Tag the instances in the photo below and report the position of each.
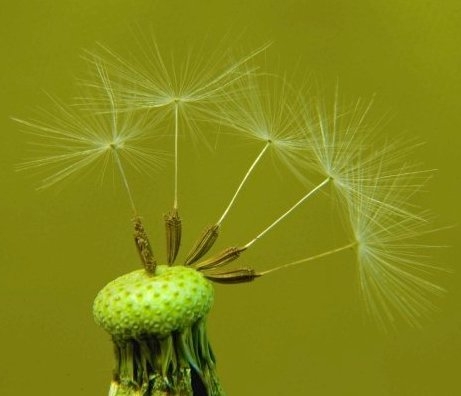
(158, 327)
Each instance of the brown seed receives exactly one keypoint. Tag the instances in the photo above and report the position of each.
(226, 256)
(203, 244)
(173, 228)
(239, 275)
(143, 245)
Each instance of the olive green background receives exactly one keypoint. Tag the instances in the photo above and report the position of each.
(299, 332)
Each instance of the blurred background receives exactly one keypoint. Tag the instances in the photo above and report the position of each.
(301, 331)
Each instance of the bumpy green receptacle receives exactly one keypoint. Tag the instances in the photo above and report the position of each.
(158, 325)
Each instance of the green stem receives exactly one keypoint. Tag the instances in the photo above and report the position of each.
(179, 364)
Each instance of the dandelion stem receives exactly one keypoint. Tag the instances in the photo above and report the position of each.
(250, 170)
(312, 258)
(309, 194)
(176, 133)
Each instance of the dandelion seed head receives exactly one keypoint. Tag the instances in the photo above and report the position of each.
(67, 141)
(392, 265)
(150, 80)
(263, 109)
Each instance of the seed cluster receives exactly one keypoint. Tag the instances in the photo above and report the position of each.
(157, 316)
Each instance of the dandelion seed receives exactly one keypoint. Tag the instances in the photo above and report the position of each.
(337, 138)
(71, 141)
(203, 244)
(223, 258)
(267, 113)
(143, 246)
(345, 147)
(263, 114)
(392, 269)
(80, 140)
(173, 235)
(150, 81)
(240, 275)
(210, 234)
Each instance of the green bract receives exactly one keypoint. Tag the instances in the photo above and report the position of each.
(138, 303)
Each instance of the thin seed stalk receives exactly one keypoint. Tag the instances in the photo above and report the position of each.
(311, 258)
(242, 183)
(211, 233)
(284, 215)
